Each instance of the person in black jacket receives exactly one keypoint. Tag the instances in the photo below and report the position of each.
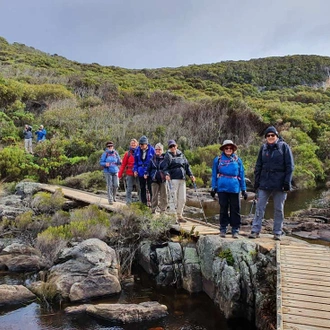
(273, 176)
(176, 170)
(158, 182)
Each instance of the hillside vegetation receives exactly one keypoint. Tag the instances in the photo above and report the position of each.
(84, 105)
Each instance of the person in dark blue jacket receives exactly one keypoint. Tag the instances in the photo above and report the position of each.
(41, 134)
(110, 161)
(143, 153)
(228, 180)
(273, 176)
(158, 186)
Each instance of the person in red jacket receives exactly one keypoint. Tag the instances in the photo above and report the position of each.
(127, 169)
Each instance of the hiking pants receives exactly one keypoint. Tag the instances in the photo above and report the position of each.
(112, 185)
(229, 202)
(159, 191)
(179, 195)
(130, 182)
(28, 145)
(144, 185)
(279, 198)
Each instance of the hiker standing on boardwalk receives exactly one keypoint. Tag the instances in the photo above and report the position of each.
(144, 152)
(158, 185)
(110, 161)
(228, 181)
(273, 176)
(28, 139)
(176, 169)
(127, 168)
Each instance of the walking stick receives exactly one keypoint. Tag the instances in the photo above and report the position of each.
(200, 202)
(254, 202)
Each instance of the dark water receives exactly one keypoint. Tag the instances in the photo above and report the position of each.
(186, 311)
(296, 200)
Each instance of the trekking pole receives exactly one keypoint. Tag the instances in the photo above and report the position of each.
(254, 202)
(200, 202)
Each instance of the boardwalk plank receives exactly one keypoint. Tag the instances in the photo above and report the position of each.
(303, 296)
(307, 305)
(310, 263)
(292, 326)
(306, 289)
(307, 268)
(308, 313)
(321, 277)
(289, 278)
(308, 272)
(305, 286)
(310, 321)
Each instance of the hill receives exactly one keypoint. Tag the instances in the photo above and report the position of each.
(84, 105)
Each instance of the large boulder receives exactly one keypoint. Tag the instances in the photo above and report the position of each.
(87, 270)
(15, 294)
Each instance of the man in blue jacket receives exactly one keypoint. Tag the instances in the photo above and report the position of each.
(273, 176)
(143, 153)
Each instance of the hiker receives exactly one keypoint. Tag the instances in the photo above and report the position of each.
(27, 132)
(144, 152)
(176, 169)
(126, 169)
(158, 185)
(110, 161)
(228, 181)
(41, 134)
(273, 175)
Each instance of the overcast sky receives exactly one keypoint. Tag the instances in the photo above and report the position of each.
(167, 33)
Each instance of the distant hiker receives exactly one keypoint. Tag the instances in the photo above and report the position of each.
(144, 152)
(273, 175)
(127, 168)
(158, 185)
(27, 132)
(41, 134)
(228, 181)
(176, 169)
(110, 161)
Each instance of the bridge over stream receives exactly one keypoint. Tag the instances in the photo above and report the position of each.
(303, 270)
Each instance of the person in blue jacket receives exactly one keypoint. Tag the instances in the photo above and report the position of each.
(110, 161)
(228, 180)
(41, 134)
(143, 153)
(273, 176)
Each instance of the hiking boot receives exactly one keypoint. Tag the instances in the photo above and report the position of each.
(180, 218)
(235, 235)
(222, 234)
(277, 237)
(254, 235)
(111, 202)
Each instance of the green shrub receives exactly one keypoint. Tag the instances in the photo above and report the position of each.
(44, 202)
(226, 254)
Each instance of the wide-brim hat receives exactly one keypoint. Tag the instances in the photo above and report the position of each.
(228, 143)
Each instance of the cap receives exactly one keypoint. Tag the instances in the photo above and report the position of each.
(171, 142)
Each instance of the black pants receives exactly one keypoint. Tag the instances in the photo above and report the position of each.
(144, 184)
(229, 202)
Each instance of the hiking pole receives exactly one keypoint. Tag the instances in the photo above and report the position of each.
(200, 202)
(254, 202)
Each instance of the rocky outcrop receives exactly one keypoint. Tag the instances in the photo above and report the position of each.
(124, 313)
(236, 274)
(87, 270)
(21, 258)
(15, 294)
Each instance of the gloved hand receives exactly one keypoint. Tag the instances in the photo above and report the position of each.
(244, 194)
(256, 186)
(286, 186)
(213, 192)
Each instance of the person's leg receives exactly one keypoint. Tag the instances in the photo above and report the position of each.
(235, 217)
(223, 218)
(115, 184)
(181, 197)
(155, 187)
(163, 197)
(263, 196)
(136, 182)
(149, 181)
(174, 192)
(26, 145)
(279, 198)
(107, 177)
(129, 188)
(143, 187)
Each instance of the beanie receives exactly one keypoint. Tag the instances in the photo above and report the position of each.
(271, 129)
(143, 140)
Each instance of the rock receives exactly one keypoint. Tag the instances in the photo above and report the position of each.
(128, 313)
(15, 294)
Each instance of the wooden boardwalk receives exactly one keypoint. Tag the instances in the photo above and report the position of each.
(201, 228)
(303, 286)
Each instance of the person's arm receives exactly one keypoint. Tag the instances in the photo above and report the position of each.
(257, 170)
(103, 159)
(123, 165)
(289, 167)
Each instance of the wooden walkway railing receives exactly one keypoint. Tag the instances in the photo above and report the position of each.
(303, 287)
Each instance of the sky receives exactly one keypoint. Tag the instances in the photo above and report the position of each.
(139, 34)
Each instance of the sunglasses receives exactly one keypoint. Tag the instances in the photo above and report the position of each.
(270, 135)
(228, 148)
(158, 149)
(172, 146)
(110, 145)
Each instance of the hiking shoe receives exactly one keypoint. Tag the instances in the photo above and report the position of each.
(180, 218)
(277, 237)
(222, 234)
(254, 235)
(111, 202)
(235, 235)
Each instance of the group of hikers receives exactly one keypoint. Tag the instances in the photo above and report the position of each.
(160, 176)
(27, 133)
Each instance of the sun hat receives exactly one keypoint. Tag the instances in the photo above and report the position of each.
(228, 143)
